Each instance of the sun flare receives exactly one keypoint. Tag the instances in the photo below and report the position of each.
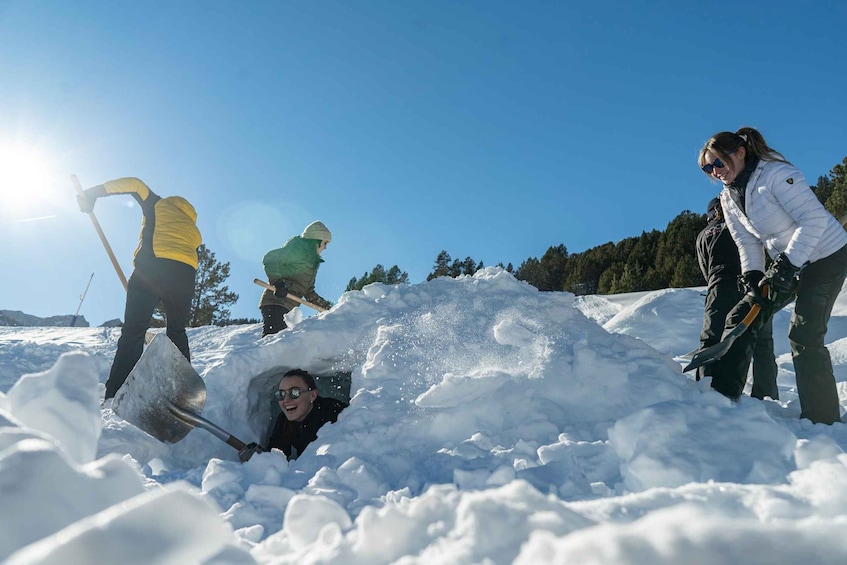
(27, 178)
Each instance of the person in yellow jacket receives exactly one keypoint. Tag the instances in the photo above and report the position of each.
(165, 266)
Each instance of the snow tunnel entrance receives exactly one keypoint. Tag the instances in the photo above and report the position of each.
(263, 409)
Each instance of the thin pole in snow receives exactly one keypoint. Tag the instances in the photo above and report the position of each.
(81, 298)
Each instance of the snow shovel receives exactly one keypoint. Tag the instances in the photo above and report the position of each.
(163, 396)
(272, 288)
(102, 236)
(714, 352)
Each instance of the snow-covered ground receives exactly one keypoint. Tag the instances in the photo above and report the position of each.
(489, 423)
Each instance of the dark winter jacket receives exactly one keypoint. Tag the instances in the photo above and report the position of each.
(293, 437)
(296, 265)
(717, 254)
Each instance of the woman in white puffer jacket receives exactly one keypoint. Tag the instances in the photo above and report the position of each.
(766, 200)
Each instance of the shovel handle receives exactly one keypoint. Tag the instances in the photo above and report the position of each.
(102, 236)
(271, 287)
(751, 315)
(754, 309)
(196, 420)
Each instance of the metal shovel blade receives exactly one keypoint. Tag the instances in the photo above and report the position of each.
(712, 353)
(715, 352)
(161, 378)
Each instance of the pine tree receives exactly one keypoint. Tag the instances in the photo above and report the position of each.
(456, 268)
(396, 276)
(208, 306)
(379, 275)
(441, 267)
(835, 191)
(469, 266)
(823, 190)
(554, 264)
(676, 258)
(530, 272)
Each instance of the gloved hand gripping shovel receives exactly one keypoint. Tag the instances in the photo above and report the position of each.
(272, 288)
(164, 396)
(714, 352)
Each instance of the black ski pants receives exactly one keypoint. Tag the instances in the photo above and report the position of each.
(272, 319)
(721, 298)
(765, 369)
(161, 280)
(819, 285)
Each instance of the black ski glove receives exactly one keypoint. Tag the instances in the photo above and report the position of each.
(748, 283)
(324, 303)
(281, 290)
(318, 300)
(782, 278)
(246, 452)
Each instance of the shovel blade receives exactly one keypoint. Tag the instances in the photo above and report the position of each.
(690, 355)
(709, 354)
(162, 376)
(715, 352)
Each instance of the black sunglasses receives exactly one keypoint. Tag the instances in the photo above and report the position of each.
(716, 164)
(293, 393)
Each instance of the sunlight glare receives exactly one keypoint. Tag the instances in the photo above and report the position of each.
(27, 179)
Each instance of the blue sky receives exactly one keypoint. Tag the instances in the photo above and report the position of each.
(487, 129)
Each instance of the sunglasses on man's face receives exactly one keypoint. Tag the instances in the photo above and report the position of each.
(293, 393)
(716, 164)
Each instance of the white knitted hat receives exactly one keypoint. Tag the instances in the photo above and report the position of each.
(317, 230)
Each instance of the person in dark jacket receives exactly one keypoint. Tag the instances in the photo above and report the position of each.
(165, 266)
(303, 413)
(292, 269)
(768, 204)
(718, 258)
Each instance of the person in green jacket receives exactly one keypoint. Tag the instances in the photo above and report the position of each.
(292, 269)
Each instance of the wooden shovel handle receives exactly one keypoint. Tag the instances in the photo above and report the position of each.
(751, 315)
(754, 309)
(271, 287)
(102, 236)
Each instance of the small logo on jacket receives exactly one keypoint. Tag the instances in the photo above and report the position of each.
(790, 181)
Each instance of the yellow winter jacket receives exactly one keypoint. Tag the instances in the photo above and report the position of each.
(169, 227)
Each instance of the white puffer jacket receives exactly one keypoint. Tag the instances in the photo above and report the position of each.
(783, 214)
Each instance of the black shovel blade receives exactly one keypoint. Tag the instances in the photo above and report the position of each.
(710, 354)
(715, 352)
(690, 355)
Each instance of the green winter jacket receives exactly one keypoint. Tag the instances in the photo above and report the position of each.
(295, 264)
